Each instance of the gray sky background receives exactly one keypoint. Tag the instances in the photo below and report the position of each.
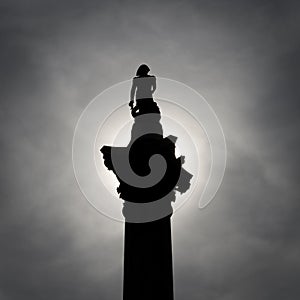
(242, 56)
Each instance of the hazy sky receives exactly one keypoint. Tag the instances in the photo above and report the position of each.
(242, 56)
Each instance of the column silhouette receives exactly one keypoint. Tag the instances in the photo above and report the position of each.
(148, 265)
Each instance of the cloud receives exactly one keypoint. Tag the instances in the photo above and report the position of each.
(242, 56)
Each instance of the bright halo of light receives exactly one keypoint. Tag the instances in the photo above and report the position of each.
(107, 121)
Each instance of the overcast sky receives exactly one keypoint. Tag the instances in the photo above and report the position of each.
(242, 56)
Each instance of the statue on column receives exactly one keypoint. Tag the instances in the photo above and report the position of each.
(149, 174)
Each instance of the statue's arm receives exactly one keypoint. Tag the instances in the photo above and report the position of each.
(153, 87)
(132, 92)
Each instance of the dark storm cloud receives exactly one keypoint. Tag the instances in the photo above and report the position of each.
(243, 56)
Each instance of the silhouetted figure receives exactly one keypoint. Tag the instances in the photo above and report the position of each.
(148, 270)
(143, 87)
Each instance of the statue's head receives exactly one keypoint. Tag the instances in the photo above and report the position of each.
(142, 70)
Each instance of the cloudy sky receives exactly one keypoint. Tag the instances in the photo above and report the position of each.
(242, 56)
